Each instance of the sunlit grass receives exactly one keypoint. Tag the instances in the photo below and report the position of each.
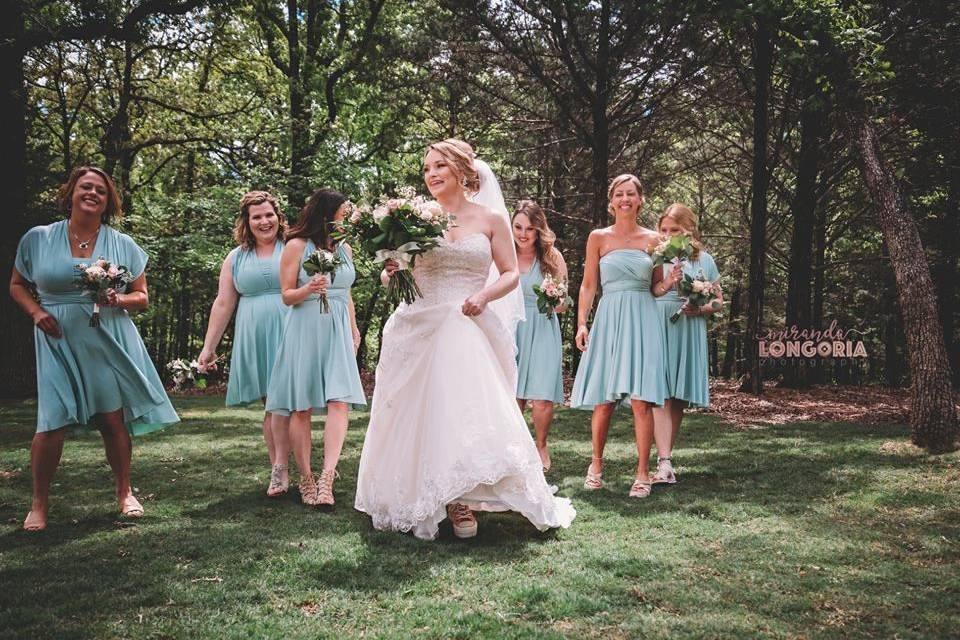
(801, 530)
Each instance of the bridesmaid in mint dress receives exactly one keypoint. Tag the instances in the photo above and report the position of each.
(250, 284)
(100, 377)
(539, 348)
(684, 342)
(316, 366)
(623, 356)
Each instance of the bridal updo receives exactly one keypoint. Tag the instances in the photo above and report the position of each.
(460, 155)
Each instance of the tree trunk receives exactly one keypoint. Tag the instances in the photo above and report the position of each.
(599, 172)
(17, 362)
(800, 271)
(728, 369)
(762, 63)
(300, 114)
(933, 414)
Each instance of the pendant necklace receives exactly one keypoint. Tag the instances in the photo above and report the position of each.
(83, 245)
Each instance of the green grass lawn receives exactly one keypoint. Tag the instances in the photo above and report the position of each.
(801, 530)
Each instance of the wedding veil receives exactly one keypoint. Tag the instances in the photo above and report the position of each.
(509, 308)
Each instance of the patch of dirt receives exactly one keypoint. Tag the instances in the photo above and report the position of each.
(864, 405)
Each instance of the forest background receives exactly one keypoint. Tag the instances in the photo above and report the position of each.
(818, 142)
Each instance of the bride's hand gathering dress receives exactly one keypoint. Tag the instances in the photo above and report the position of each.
(445, 426)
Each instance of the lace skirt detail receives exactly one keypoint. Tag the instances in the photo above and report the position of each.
(445, 427)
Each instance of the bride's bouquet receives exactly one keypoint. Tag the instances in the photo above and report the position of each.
(699, 292)
(98, 277)
(398, 229)
(551, 293)
(324, 263)
(673, 249)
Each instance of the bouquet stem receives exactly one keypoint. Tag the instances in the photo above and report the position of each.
(95, 318)
(403, 287)
(326, 303)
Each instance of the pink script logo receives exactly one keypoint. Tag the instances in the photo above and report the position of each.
(792, 342)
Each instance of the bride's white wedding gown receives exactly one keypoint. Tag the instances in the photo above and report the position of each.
(444, 424)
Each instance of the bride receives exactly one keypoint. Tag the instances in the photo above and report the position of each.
(446, 436)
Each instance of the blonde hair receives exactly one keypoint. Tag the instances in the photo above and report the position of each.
(687, 219)
(242, 234)
(619, 180)
(460, 155)
(547, 253)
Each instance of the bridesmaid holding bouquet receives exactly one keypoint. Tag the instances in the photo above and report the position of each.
(539, 349)
(316, 366)
(684, 339)
(93, 369)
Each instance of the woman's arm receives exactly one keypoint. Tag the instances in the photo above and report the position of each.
(21, 294)
(220, 314)
(505, 257)
(290, 271)
(588, 288)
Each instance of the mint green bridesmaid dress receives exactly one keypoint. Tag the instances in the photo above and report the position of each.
(258, 326)
(539, 349)
(685, 341)
(624, 356)
(316, 362)
(89, 370)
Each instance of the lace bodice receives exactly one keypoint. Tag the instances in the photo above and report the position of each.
(454, 270)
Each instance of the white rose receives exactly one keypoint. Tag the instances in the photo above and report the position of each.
(380, 213)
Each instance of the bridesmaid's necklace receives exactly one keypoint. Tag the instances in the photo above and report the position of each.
(83, 245)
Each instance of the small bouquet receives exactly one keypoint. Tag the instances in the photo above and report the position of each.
(397, 229)
(551, 293)
(673, 250)
(186, 374)
(97, 278)
(698, 292)
(324, 263)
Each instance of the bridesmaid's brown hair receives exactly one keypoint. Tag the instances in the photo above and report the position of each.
(65, 193)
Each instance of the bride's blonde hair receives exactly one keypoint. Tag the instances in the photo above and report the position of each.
(460, 155)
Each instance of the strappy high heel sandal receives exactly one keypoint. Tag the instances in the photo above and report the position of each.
(278, 486)
(325, 488)
(593, 481)
(308, 490)
(640, 489)
(665, 473)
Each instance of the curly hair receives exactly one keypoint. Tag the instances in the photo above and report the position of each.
(547, 253)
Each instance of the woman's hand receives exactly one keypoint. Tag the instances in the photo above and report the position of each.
(317, 284)
(110, 298)
(390, 267)
(474, 305)
(675, 276)
(356, 339)
(46, 323)
(690, 310)
(207, 361)
(582, 337)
